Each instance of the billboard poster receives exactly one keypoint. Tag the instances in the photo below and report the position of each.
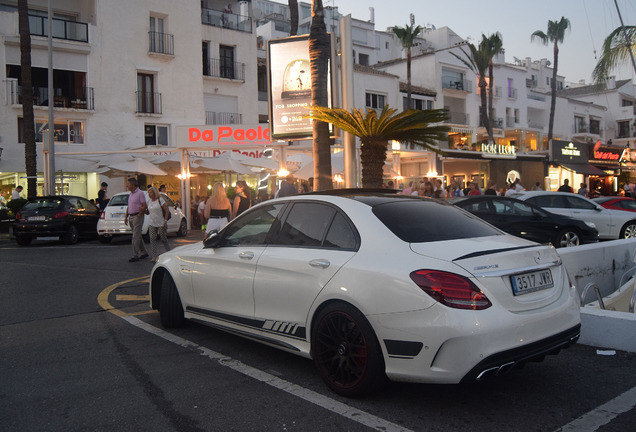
(289, 77)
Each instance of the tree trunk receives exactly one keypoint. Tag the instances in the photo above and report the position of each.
(293, 17)
(319, 51)
(30, 157)
(408, 79)
(483, 109)
(372, 158)
(553, 98)
(491, 120)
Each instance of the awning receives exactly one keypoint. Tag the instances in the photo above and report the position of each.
(585, 169)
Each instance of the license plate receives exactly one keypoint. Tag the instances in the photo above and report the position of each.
(118, 215)
(36, 218)
(525, 283)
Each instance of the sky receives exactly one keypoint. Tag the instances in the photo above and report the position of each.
(590, 22)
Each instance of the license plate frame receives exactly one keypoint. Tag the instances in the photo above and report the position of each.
(532, 281)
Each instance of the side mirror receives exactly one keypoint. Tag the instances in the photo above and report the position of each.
(212, 240)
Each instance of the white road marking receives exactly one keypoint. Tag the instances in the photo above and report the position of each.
(322, 401)
(604, 414)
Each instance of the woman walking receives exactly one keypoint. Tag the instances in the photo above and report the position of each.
(243, 200)
(158, 221)
(218, 208)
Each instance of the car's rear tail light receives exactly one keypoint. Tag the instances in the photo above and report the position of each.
(61, 214)
(102, 215)
(450, 289)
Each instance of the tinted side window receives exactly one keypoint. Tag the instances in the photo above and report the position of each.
(547, 201)
(578, 203)
(74, 204)
(521, 209)
(340, 234)
(252, 228)
(627, 204)
(306, 225)
(478, 207)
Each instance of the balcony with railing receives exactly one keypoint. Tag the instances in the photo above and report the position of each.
(62, 29)
(80, 98)
(149, 102)
(224, 69)
(510, 122)
(161, 43)
(512, 93)
(536, 124)
(496, 123)
(217, 18)
(458, 118)
(536, 96)
(462, 85)
(222, 118)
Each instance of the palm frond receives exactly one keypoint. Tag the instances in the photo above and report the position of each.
(616, 52)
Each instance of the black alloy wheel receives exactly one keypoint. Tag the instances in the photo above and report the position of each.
(170, 306)
(346, 351)
(71, 236)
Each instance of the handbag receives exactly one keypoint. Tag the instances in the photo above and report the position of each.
(163, 212)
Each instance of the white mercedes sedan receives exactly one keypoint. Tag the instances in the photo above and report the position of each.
(374, 285)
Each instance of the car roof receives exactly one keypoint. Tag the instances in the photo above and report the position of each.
(368, 196)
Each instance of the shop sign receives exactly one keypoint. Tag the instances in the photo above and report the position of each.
(606, 154)
(223, 136)
(566, 151)
(498, 150)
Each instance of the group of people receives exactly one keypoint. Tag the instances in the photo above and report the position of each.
(158, 214)
(217, 210)
(434, 188)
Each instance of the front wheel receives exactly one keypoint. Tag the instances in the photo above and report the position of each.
(170, 306)
(183, 228)
(346, 351)
(628, 230)
(567, 238)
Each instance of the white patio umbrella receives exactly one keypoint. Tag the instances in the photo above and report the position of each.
(307, 170)
(224, 162)
(121, 164)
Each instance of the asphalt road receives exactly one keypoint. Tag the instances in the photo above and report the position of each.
(80, 350)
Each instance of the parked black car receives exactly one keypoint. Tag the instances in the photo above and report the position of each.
(528, 221)
(67, 217)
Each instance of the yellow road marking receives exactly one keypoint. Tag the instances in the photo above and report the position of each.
(131, 297)
(102, 298)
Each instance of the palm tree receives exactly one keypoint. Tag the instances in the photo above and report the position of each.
(407, 36)
(293, 17)
(375, 131)
(319, 51)
(30, 159)
(617, 50)
(479, 61)
(494, 43)
(555, 35)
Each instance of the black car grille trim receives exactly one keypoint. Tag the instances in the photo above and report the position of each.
(402, 349)
(291, 330)
(505, 361)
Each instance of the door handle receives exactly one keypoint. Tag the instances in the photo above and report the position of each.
(246, 255)
(322, 263)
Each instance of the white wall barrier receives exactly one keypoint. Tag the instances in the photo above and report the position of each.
(604, 264)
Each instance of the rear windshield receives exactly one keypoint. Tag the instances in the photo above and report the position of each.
(119, 200)
(420, 221)
(42, 204)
